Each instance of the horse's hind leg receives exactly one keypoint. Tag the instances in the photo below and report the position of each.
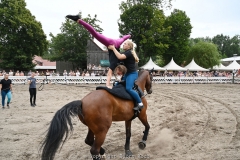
(128, 152)
(143, 118)
(95, 150)
(90, 140)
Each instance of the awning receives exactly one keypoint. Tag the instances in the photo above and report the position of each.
(45, 67)
(104, 63)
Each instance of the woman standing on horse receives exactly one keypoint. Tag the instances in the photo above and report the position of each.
(129, 57)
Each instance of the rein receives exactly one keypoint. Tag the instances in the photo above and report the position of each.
(145, 95)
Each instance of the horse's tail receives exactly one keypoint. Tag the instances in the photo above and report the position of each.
(59, 129)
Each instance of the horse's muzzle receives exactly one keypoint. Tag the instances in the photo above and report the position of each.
(150, 91)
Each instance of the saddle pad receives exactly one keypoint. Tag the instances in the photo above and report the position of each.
(118, 91)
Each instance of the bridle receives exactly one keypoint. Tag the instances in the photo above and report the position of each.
(151, 79)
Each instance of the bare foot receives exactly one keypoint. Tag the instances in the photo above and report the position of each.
(109, 87)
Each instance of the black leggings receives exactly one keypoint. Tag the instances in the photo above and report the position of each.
(33, 93)
(113, 60)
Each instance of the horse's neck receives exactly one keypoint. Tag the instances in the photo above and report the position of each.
(141, 84)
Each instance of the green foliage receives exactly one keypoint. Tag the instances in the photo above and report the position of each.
(227, 46)
(159, 60)
(178, 38)
(71, 44)
(205, 54)
(234, 47)
(222, 42)
(21, 36)
(145, 23)
(125, 5)
(193, 41)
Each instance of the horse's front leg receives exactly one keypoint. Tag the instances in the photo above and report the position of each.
(143, 118)
(128, 152)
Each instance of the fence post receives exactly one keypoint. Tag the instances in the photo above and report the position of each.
(233, 78)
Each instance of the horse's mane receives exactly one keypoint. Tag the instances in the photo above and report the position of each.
(144, 72)
(141, 72)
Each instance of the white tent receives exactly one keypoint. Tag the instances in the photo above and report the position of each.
(227, 61)
(233, 65)
(172, 66)
(192, 66)
(220, 67)
(151, 65)
(237, 58)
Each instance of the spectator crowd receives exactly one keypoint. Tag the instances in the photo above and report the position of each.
(188, 73)
(98, 71)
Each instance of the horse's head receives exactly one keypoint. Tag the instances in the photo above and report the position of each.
(145, 80)
(148, 84)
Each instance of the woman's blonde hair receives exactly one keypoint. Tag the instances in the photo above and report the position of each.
(130, 43)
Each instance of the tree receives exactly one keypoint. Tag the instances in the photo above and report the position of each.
(153, 3)
(178, 38)
(21, 36)
(193, 41)
(71, 44)
(222, 43)
(226, 45)
(159, 60)
(205, 54)
(234, 47)
(145, 23)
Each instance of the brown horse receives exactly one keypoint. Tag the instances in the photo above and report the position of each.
(97, 110)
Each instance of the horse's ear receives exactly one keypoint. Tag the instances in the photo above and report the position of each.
(151, 74)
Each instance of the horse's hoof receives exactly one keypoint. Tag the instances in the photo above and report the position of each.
(142, 145)
(128, 153)
(103, 157)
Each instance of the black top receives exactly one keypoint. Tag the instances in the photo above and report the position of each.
(113, 59)
(6, 84)
(129, 62)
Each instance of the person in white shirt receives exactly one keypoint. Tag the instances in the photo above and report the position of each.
(89, 66)
(10, 73)
(65, 73)
(87, 74)
(3, 72)
(70, 73)
(37, 73)
(99, 67)
(77, 73)
(30, 73)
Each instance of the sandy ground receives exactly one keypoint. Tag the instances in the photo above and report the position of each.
(194, 121)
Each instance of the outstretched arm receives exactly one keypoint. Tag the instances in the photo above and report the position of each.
(119, 55)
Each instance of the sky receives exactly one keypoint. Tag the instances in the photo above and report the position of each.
(208, 17)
